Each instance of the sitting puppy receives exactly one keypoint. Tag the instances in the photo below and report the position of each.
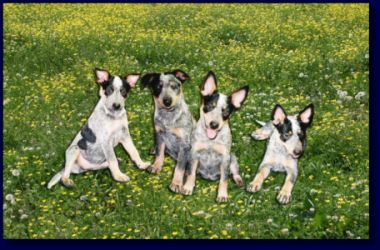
(211, 155)
(173, 122)
(93, 147)
(287, 142)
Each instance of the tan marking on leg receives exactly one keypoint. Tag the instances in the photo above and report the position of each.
(222, 191)
(116, 173)
(71, 157)
(285, 193)
(158, 128)
(156, 167)
(188, 188)
(177, 181)
(257, 182)
(133, 153)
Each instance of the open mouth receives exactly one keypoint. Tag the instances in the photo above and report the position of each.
(211, 133)
(295, 156)
(169, 109)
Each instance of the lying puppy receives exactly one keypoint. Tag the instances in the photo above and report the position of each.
(287, 142)
(211, 155)
(93, 147)
(173, 122)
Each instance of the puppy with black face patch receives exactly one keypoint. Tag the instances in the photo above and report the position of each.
(93, 146)
(173, 122)
(287, 142)
(211, 155)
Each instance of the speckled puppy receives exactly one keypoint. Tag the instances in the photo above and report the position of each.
(173, 122)
(287, 142)
(93, 146)
(211, 155)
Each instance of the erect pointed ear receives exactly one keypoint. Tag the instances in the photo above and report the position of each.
(278, 115)
(101, 75)
(306, 115)
(149, 79)
(181, 75)
(238, 97)
(209, 85)
(132, 79)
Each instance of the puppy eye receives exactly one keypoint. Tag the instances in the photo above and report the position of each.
(175, 87)
(109, 91)
(123, 92)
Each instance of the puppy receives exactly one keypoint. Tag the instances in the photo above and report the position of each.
(93, 146)
(211, 155)
(287, 142)
(173, 122)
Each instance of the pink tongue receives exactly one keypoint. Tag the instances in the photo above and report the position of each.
(211, 134)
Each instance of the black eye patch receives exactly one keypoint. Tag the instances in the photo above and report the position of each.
(210, 102)
(227, 111)
(156, 88)
(107, 86)
(285, 129)
(124, 90)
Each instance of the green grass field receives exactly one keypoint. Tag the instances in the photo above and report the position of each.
(292, 54)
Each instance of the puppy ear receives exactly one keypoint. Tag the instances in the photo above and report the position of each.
(209, 85)
(181, 75)
(101, 75)
(238, 97)
(305, 116)
(278, 115)
(132, 79)
(149, 79)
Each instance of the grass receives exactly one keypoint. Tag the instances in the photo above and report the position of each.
(292, 54)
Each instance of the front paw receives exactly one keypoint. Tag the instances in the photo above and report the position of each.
(154, 169)
(175, 187)
(238, 180)
(254, 187)
(121, 177)
(69, 183)
(187, 189)
(284, 197)
(222, 198)
(143, 165)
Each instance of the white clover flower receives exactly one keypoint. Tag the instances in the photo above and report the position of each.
(285, 231)
(359, 95)
(301, 75)
(9, 197)
(15, 172)
(24, 216)
(270, 221)
(342, 94)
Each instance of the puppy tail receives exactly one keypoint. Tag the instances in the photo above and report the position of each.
(260, 123)
(56, 178)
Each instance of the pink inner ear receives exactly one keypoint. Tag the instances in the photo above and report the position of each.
(209, 86)
(132, 80)
(279, 116)
(102, 76)
(180, 75)
(238, 97)
(305, 115)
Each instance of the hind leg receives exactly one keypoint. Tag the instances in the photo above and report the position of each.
(234, 169)
(71, 157)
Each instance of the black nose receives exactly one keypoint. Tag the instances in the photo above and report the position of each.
(214, 125)
(167, 101)
(297, 152)
(116, 106)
